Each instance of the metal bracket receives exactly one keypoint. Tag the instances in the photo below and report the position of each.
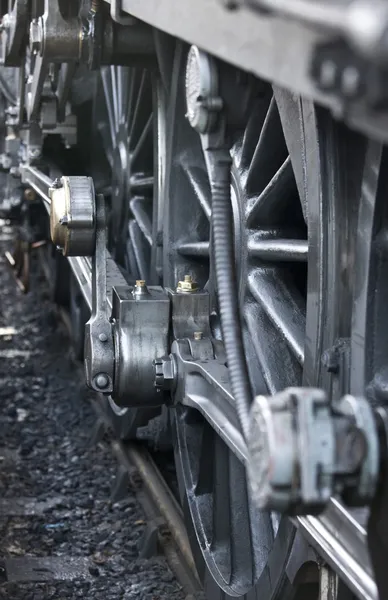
(141, 317)
(99, 350)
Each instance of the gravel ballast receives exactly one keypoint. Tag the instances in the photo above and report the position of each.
(54, 483)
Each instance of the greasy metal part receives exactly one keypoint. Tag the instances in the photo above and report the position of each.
(57, 39)
(334, 449)
(165, 373)
(72, 216)
(81, 266)
(328, 583)
(13, 34)
(190, 313)
(94, 40)
(99, 349)
(342, 542)
(275, 49)
(336, 535)
(204, 385)
(65, 79)
(38, 181)
(35, 83)
(140, 325)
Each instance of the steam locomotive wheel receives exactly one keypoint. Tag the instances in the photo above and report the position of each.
(286, 191)
(127, 122)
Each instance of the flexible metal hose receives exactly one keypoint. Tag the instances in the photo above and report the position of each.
(227, 286)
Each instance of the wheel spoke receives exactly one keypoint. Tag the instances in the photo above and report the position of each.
(279, 367)
(141, 249)
(273, 293)
(200, 185)
(106, 81)
(278, 250)
(270, 152)
(292, 119)
(105, 132)
(123, 85)
(131, 99)
(135, 116)
(254, 127)
(195, 249)
(115, 96)
(266, 208)
(144, 134)
(139, 207)
(140, 182)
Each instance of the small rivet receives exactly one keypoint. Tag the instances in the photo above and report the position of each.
(102, 381)
(103, 337)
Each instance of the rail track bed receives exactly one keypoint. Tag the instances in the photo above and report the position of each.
(61, 534)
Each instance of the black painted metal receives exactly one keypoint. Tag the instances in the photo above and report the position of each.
(241, 548)
(125, 123)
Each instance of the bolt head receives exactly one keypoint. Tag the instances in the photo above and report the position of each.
(103, 337)
(102, 381)
(57, 183)
(187, 285)
(198, 335)
(29, 195)
(36, 36)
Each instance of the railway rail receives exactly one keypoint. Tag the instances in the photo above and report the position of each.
(213, 175)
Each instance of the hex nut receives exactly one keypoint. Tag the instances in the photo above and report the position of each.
(187, 285)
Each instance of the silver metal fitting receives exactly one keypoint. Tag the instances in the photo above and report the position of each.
(302, 451)
(72, 216)
(187, 285)
(36, 36)
(202, 97)
(165, 373)
(140, 288)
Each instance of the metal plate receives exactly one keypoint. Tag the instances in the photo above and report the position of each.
(273, 49)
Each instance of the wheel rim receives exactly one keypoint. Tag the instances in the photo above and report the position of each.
(128, 127)
(241, 547)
